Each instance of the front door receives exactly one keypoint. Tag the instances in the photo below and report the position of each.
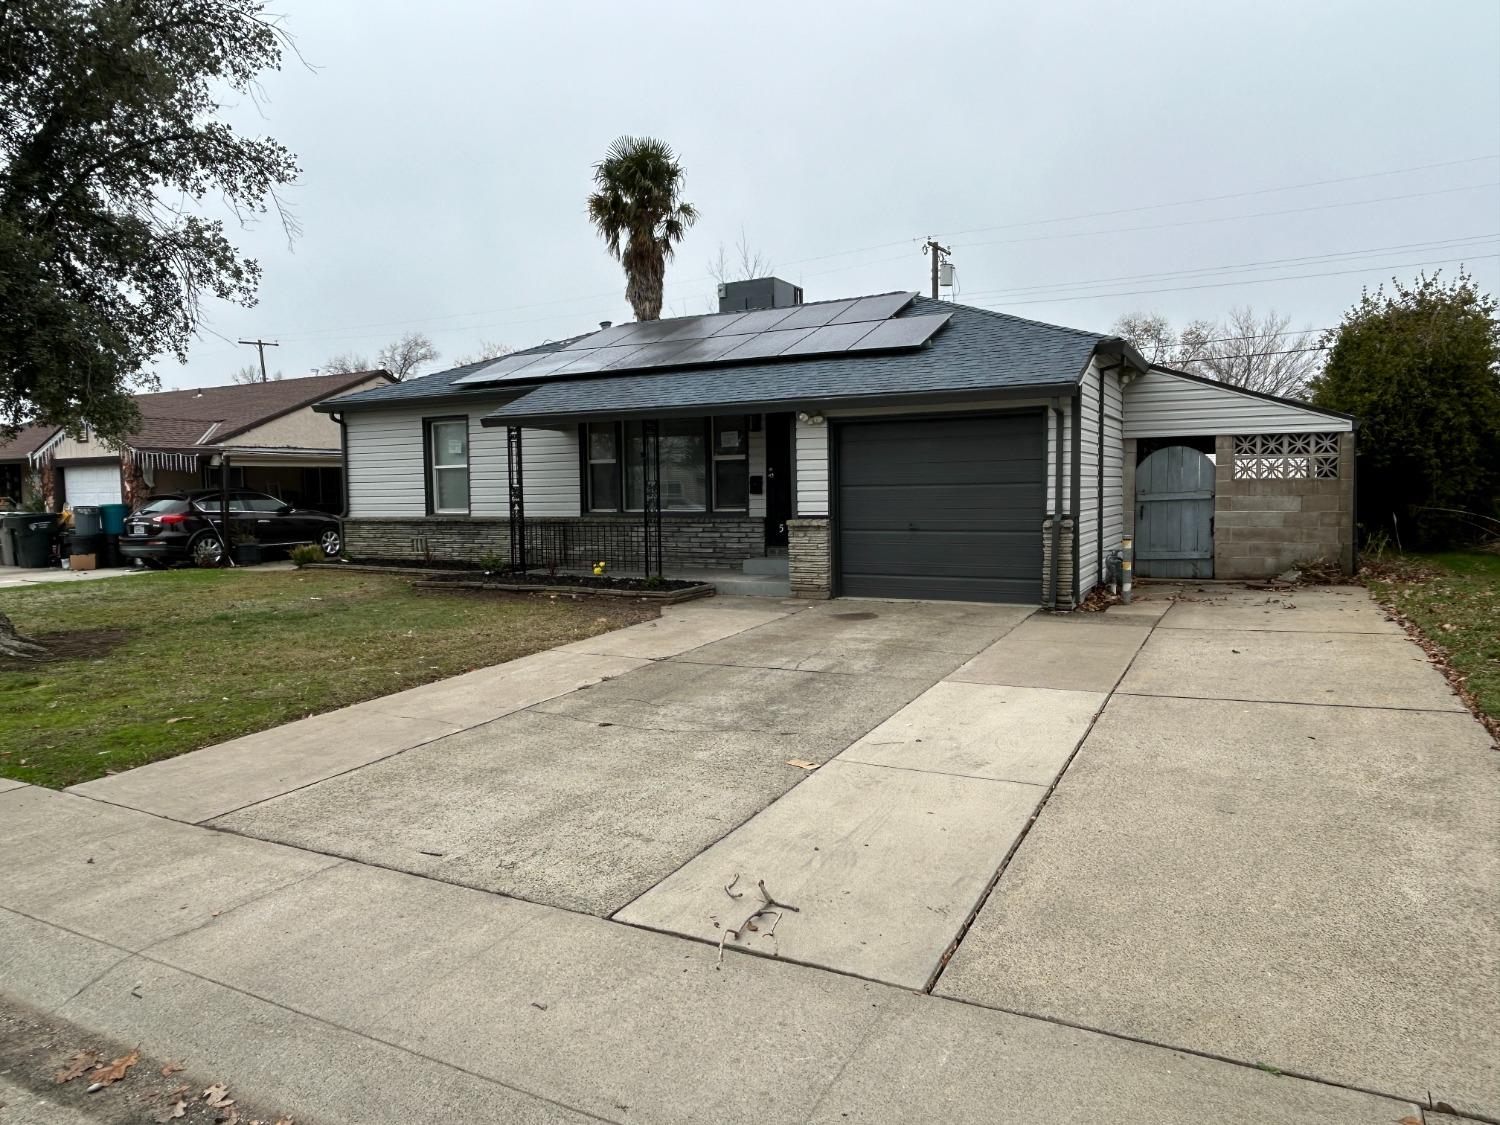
(778, 477)
(1174, 514)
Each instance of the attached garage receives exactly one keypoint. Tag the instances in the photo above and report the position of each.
(945, 508)
(92, 484)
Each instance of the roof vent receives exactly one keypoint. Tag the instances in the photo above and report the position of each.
(605, 323)
(758, 293)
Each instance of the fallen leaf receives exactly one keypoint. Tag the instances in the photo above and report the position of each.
(109, 1075)
(170, 1069)
(215, 1095)
(175, 1110)
(1407, 1120)
(77, 1064)
(177, 719)
(802, 764)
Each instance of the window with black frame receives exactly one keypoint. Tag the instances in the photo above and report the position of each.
(704, 465)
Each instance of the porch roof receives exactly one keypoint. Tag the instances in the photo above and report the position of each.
(978, 352)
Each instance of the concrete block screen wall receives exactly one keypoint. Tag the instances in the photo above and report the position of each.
(1263, 526)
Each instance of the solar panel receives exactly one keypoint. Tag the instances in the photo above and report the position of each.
(653, 355)
(825, 328)
(814, 316)
(761, 320)
(602, 338)
(499, 369)
(882, 307)
(704, 351)
(702, 327)
(830, 338)
(599, 359)
(905, 332)
(764, 345)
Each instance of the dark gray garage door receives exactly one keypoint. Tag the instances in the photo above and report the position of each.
(942, 508)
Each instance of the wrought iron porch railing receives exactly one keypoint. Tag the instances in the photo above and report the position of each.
(577, 544)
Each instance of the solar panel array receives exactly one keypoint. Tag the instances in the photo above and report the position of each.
(825, 328)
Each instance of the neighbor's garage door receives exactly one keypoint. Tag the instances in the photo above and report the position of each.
(942, 508)
(91, 484)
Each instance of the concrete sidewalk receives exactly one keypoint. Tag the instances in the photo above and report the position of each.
(367, 996)
(1119, 867)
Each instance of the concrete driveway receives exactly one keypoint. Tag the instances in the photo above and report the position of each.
(1093, 867)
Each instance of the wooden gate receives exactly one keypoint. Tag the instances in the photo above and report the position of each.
(1174, 514)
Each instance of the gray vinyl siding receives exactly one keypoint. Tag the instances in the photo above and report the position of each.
(810, 456)
(387, 475)
(1114, 463)
(1161, 404)
(385, 470)
(1088, 479)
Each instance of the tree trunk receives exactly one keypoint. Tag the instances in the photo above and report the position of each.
(13, 644)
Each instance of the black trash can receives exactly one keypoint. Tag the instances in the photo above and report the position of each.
(88, 520)
(10, 531)
(81, 544)
(109, 551)
(33, 540)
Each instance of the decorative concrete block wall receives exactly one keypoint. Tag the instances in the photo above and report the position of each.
(1264, 527)
(810, 557)
(1064, 566)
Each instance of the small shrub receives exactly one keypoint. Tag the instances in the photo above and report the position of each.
(493, 562)
(307, 553)
(655, 582)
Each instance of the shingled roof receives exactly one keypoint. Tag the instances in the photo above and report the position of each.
(206, 416)
(27, 441)
(978, 351)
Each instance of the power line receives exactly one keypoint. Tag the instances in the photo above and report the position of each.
(1231, 218)
(1263, 264)
(331, 335)
(1245, 281)
(1229, 195)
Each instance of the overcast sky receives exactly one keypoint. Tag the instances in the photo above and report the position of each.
(446, 154)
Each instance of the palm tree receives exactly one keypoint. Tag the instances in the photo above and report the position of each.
(638, 209)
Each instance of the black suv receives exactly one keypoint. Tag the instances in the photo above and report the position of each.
(183, 527)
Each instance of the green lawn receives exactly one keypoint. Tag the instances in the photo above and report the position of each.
(160, 664)
(1454, 598)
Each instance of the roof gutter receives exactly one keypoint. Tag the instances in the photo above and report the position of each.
(969, 395)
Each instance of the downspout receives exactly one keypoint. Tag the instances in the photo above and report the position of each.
(338, 417)
(1057, 428)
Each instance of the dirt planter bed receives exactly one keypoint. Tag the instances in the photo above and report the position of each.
(666, 591)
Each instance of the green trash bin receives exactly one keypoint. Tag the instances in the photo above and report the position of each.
(33, 539)
(113, 516)
(10, 528)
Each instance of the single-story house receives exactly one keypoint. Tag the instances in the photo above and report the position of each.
(19, 481)
(888, 446)
(273, 441)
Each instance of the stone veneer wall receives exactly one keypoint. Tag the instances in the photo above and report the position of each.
(1065, 563)
(707, 541)
(1263, 527)
(810, 557)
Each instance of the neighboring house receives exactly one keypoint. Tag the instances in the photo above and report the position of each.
(273, 440)
(19, 481)
(888, 446)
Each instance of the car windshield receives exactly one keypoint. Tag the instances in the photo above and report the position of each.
(163, 505)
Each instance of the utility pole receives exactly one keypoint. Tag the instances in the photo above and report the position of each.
(262, 345)
(938, 254)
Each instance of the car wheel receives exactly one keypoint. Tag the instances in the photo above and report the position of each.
(206, 550)
(331, 542)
